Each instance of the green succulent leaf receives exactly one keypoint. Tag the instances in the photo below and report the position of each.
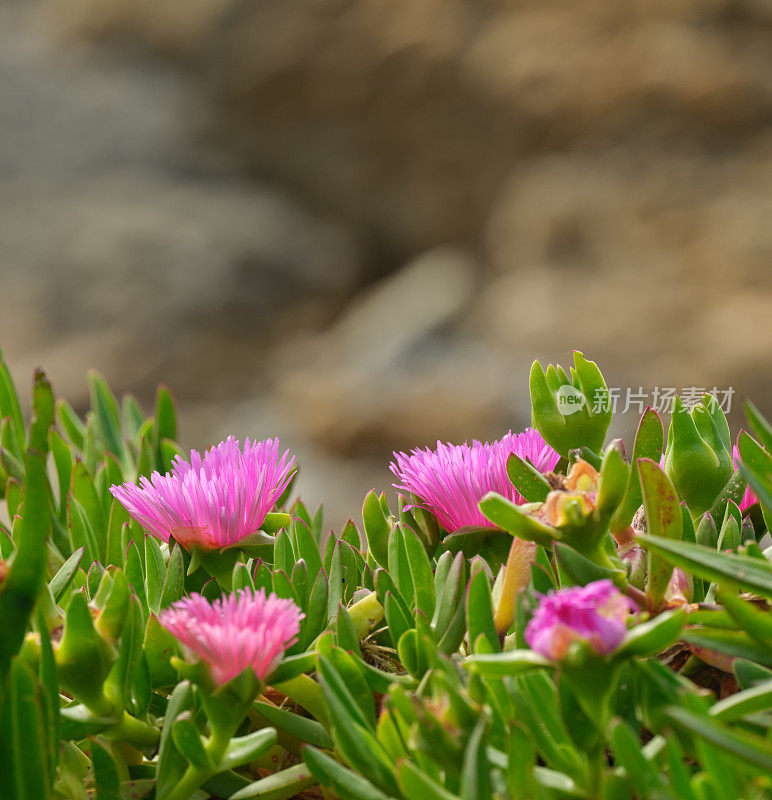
(24, 761)
(528, 481)
(743, 746)
(347, 784)
(652, 637)
(750, 574)
(377, 528)
(663, 519)
(649, 441)
(106, 777)
(286, 783)
(26, 575)
(512, 662)
(510, 517)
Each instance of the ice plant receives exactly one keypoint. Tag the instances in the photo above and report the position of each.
(244, 629)
(595, 614)
(451, 480)
(214, 501)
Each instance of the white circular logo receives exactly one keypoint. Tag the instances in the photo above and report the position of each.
(569, 399)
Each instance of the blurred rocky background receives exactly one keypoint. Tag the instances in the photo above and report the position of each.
(353, 223)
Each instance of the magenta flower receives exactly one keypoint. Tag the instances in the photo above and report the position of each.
(749, 498)
(451, 480)
(214, 501)
(596, 614)
(245, 629)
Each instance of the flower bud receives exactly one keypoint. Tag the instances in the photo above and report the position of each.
(680, 590)
(111, 617)
(595, 615)
(83, 657)
(634, 559)
(570, 412)
(698, 467)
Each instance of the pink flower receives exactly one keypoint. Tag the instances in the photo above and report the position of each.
(451, 480)
(596, 614)
(749, 498)
(213, 501)
(244, 629)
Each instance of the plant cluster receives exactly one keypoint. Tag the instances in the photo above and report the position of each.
(542, 617)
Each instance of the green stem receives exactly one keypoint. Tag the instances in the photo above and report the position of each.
(637, 596)
(596, 763)
(194, 777)
(189, 783)
(131, 730)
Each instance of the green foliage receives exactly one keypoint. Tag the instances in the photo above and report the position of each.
(400, 685)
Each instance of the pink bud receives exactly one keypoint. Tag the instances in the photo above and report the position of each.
(596, 614)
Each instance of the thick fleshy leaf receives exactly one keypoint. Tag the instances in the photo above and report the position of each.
(643, 776)
(421, 573)
(750, 674)
(750, 701)
(347, 784)
(743, 746)
(188, 742)
(479, 609)
(475, 773)
(164, 425)
(43, 412)
(512, 662)
(154, 573)
(107, 415)
(286, 783)
(343, 679)
(59, 584)
(663, 518)
(174, 581)
(760, 426)
(24, 761)
(316, 614)
(26, 576)
(748, 617)
(451, 594)
(491, 543)
(735, 644)
(354, 739)
(649, 440)
(171, 764)
(650, 638)
(614, 480)
(417, 785)
(581, 570)
(508, 516)
(377, 528)
(118, 683)
(10, 408)
(305, 729)
(106, 777)
(750, 574)
(528, 481)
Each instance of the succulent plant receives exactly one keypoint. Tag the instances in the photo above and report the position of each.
(536, 618)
